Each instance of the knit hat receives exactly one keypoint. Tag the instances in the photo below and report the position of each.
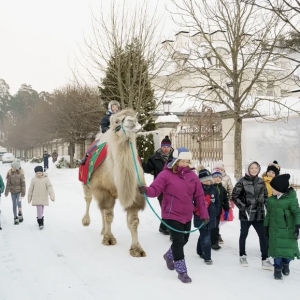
(38, 169)
(180, 153)
(219, 165)
(274, 167)
(16, 164)
(204, 174)
(216, 173)
(281, 183)
(166, 142)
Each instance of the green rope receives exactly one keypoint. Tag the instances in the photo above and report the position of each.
(146, 198)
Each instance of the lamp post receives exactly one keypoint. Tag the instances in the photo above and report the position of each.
(166, 105)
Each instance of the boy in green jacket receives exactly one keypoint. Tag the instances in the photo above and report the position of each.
(1, 191)
(282, 224)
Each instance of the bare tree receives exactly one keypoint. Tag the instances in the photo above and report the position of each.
(126, 24)
(75, 112)
(231, 60)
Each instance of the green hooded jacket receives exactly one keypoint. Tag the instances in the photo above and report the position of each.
(282, 216)
(2, 187)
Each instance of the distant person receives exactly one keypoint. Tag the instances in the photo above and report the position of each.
(113, 108)
(54, 156)
(155, 165)
(39, 190)
(1, 191)
(46, 160)
(15, 185)
(282, 225)
(250, 196)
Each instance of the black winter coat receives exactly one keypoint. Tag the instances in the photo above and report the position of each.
(105, 122)
(223, 195)
(250, 196)
(213, 209)
(156, 163)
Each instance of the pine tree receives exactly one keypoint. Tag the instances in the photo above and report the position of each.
(127, 81)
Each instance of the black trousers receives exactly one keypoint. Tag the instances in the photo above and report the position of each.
(179, 239)
(160, 198)
(215, 232)
(259, 228)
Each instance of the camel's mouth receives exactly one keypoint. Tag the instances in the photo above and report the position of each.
(130, 124)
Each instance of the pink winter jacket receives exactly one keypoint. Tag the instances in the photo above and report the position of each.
(180, 192)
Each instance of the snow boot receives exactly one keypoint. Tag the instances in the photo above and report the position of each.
(286, 269)
(243, 261)
(20, 217)
(220, 240)
(267, 265)
(169, 259)
(216, 246)
(16, 221)
(277, 274)
(208, 261)
(0, 227)
(182, 271)
(41, 223)
(37, 219)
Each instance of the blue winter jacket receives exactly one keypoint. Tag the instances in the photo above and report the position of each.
(213, 208)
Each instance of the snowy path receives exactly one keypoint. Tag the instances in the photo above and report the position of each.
(68, 261)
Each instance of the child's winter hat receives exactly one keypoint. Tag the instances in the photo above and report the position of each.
(180, 153)
(219, 165)
(204, 174)
(274, 167)
(248, 165)
(16, 165)
(216, 173)
(166, 142)
(281, 183)
(38, 169)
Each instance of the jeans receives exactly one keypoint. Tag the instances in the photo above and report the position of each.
(16, 202)
(279, 261)
(215, 232)
(203, 245)
(179, 238)
(259, 228)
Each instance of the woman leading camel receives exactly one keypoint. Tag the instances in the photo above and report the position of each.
(181, 188)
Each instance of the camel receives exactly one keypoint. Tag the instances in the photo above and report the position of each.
(116, 178)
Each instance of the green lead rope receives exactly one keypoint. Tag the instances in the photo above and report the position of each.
(147, 200)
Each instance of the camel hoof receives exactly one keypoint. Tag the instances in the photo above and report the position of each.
(86, 220)
(109, 240)
(137, 251)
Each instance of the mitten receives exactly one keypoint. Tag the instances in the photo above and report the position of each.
(266, 231)
(142, 189)
(226, 213)
(296, 232)
(205, 221)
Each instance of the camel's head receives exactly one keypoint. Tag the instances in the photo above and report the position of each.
(125, 120)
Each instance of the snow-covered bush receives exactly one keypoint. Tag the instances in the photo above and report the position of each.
(145, 146)
(64, 163)
(37, 160)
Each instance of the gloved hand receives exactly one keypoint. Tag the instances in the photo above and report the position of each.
(142, 189)
(296, 232)
(226, 213)
(266, 231)
(205, 221)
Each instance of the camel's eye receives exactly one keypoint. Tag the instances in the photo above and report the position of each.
(117, 121)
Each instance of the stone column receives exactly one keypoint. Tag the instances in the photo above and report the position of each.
(228, 144)
(165, 125)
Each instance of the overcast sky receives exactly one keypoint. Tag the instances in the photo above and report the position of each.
(39, 39)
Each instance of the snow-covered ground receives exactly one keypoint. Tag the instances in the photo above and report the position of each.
(68, 261)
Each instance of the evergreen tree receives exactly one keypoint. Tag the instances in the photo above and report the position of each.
(127, 81)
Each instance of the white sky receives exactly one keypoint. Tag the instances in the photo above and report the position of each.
(39, 39)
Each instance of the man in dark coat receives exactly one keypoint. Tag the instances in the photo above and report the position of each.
(46, 160)
(54, 156)
(113, 107)
(155, 165)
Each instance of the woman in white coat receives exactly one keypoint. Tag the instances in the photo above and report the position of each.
(39, 191)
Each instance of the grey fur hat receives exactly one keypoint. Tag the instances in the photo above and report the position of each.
(113, 102)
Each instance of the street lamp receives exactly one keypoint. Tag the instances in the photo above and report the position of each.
(166, 105)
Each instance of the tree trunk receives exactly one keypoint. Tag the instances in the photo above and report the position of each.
(238, 148)
(71, 152)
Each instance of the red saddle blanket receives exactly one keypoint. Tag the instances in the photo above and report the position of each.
(96, 154)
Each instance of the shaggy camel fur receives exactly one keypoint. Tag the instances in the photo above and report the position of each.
(116, 178)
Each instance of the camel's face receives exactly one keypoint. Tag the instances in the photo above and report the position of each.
(126, 121)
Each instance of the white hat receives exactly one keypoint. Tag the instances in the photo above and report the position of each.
(180, 153)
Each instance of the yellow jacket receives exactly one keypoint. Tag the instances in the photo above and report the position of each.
(267, 180)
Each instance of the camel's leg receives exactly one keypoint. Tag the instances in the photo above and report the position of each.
(103, 221)
(86, 220)
(133, 222)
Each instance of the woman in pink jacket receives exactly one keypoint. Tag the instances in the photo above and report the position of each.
(181, 190)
